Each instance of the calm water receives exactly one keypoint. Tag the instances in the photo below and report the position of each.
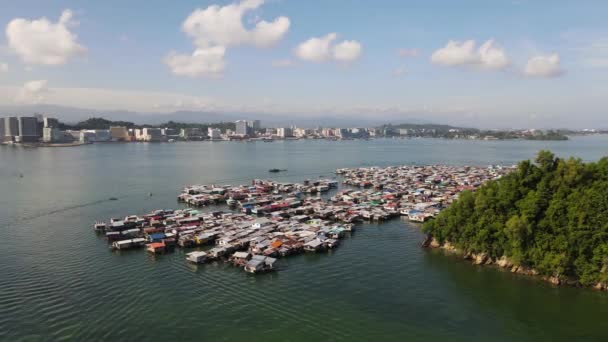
(58, 280)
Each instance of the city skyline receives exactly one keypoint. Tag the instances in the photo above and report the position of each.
(499, 64)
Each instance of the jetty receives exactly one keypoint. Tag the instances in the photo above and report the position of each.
(253, 225)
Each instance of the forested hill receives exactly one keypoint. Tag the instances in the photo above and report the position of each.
(550, 216)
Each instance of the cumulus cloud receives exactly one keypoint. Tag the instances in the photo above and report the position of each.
(33, 91)
(488, 56)
(348, 50)
(41, 41)
(544, 66)
(321, 49)
(204, 61)
(3, 67)
(223, 25)
(216, 28)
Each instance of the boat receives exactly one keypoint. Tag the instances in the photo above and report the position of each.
(99, 226)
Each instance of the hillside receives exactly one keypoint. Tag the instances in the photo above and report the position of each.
(548, 218)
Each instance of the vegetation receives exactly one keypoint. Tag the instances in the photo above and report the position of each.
(549, 135)
(452, 132)
(96, 123)
(100, 123)
(551, 216)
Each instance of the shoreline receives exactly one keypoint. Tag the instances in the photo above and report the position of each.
(482, 259)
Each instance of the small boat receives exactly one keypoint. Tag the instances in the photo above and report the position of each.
(99, 226)
(276, 170)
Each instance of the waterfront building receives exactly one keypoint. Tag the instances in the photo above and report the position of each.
(192, 133)
(50, 122)
(255, 125)
(284, 132)
(119, 133)
(170, 132)
(214, 133)
(52, 135)
(152, 134)
(244, 128)
(28, 129)
(95, 135)
(11, 128)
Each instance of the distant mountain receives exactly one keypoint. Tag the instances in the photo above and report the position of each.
(73, 115)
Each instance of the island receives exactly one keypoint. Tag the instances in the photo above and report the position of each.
(548, 218)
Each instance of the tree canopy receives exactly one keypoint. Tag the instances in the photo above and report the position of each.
(550, 215)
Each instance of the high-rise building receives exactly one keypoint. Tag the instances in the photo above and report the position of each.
(243, 128)
(28, 129)
(284, 132)
(50, 122)
(11, 128)
(255, 125)
(214, 133)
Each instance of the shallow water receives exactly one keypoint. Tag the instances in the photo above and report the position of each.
(59, 280)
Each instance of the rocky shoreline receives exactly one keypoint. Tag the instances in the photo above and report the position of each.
(504, 262)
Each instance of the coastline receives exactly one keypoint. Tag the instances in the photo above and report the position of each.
(482, 259)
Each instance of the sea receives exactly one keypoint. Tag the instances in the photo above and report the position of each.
(59, 280)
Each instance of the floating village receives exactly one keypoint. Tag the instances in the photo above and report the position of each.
(266, 220)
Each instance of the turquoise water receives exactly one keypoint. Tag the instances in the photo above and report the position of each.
(58, 280)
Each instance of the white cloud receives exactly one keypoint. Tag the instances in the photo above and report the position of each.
(487, 56)
(33, 91)
(223, 25)
(204, 61)
(347, 51)
(544, 66)
(321, 49)
(41, 41)
(216, 28)
(3, 67)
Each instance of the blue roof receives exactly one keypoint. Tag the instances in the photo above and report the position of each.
(156, 236)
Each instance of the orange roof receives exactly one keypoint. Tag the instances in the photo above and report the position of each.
(157, 244)
(276, 244)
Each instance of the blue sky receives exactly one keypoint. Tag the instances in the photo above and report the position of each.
(546, 61)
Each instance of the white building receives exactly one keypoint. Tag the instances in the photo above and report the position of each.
(95, 135)
(214, 133)
(284, 132)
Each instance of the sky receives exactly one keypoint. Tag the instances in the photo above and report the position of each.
(486, 63)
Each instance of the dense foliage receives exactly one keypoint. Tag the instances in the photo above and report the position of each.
(100, 123)
(96, 123)
(551, 215)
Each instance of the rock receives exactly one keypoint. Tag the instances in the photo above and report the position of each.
(601, 286)
(514, 269)
(504, 262)
(449, 247)
(480, 258)
(554, 280)
(431, 242)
